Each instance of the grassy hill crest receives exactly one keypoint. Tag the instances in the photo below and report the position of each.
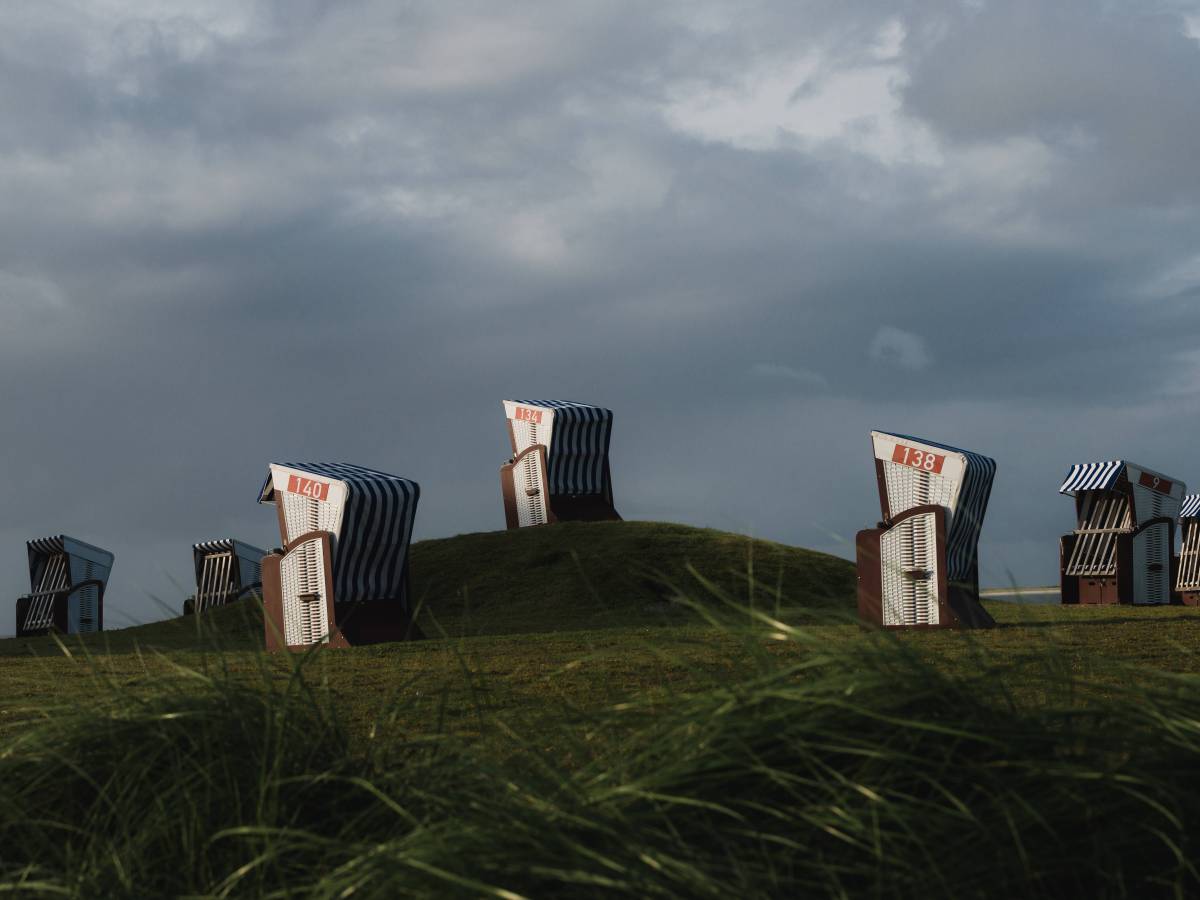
(570, 576)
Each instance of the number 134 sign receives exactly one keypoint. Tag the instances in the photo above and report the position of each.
(924, 460)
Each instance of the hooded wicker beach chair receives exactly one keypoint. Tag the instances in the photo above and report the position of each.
(341, 577)
(559, 467)
(1122, 548)
(919, 568)
(66, 579)
(226, 570)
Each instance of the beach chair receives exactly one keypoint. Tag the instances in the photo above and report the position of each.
(1122, 548)
(919, 568)
(66, 579)
(559, 467)
(226, 570)
(341, 577)
(1187, 581)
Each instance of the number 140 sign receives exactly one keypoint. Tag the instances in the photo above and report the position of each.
(924, 460)
(318, 490)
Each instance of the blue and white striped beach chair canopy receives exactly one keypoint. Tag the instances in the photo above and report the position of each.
(577, 442)
(959, 480)
(369, 513)
(249, 557)
(1191, 507)
(1103, 476)
(1154, 494)
(84, 561)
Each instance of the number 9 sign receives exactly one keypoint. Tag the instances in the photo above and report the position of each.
(1161, 485)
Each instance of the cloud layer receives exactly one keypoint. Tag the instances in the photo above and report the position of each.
(237, 232)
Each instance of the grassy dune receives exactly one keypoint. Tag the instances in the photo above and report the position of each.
(621, 709)
(575, 576)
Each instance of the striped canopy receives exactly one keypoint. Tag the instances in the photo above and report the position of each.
(1098, 476)
(220, 546)
(966, 519)
(1191, 507)
(370, 556)
(578, 455)
(47, 545)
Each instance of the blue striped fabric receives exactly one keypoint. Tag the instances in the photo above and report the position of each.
(1098, 476)
(966, 520)
(370, 556)
(578, 457)
(1191, 507)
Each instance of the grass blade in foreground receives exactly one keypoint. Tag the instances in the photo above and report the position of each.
(852, 768)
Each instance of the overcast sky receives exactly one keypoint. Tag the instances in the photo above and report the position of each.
(237, 232)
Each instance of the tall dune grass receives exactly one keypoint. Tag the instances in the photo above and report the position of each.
(856, 769)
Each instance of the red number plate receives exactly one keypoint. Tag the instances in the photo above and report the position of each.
(318, 490)
(918, 459)
(525, 414)
(1155, 483)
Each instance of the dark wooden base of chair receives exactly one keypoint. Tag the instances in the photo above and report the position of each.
(1110, 590)
(351, 624)
(1116, 589)
(375, 622)
(1101, 591)
(562, 507)
(59, 610)
(356, 625)
(583, 508)
(958, 602)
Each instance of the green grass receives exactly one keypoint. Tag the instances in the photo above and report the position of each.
(847, 769)
(620, 709)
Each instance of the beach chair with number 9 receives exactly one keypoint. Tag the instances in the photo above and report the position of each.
(1122, 548)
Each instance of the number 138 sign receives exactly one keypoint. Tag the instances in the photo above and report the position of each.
(924, 460)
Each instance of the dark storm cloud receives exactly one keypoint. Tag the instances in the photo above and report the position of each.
(233, 233)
